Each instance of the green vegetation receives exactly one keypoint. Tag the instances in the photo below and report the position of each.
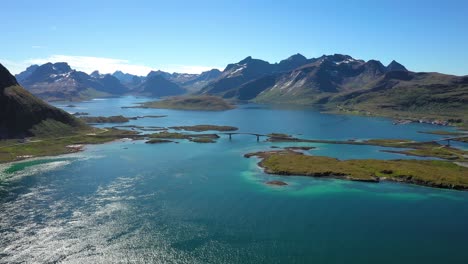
(442, 152)
(80, 114)
(278, 135)
(201, 128)
(197, 138)
(200, 103)
(202, 140)
(299, 148)
(103, 119)
(412, 148)
(114, 119)
(146, 116)
(143, 128)
(442, 174)
(170, 135)
(157, 141)
(212, 136)
(377, 110)
(426, 96)
(275, 137)
(11, 150)
(444, 133)
(463, 136)
(22, 114)
(54, 128)
(396, 143)
(421, 149)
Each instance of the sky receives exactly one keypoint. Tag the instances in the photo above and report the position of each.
(194, 36)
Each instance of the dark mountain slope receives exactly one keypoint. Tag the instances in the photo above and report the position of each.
(202, 80)
(25, 74)
(325, 75)
(157, 85)
(292, 63)
(395, 66)
(129, 80)
(416, 93)
(21, 114)
(234, 75)
(295, 76)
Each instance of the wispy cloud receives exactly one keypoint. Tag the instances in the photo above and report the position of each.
(109, 65)
(14, 66)
(188, 68)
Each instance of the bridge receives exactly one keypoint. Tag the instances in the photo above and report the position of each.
(450, 138)
(263, 135)
(244, 133)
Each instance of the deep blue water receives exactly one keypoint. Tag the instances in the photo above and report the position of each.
(205, 203)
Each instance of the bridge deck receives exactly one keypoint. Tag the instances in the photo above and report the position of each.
(244, 133)
(450, 138)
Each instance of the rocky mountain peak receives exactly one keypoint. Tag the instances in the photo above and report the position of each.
(6, 79)
(95, 74)
(246, 60)
(296, 57)
(61, 67)
(395, 66)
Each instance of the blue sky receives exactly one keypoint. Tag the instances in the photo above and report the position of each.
(192, 36)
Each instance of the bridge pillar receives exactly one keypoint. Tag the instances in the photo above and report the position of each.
(230, 136)
(258, 138)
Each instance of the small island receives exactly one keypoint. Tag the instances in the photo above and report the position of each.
(197, 138)
(202, 128)
(409, 147)
(80, 114)
(158, 141)
(102, 119)
(193, 103)
(202, 140)
(433, 173)
(300, 148)
(276, 183)
(461, 136)
(114, 119)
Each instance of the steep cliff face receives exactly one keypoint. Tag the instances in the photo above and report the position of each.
(20, 111)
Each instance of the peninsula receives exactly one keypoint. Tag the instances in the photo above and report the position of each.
(441, 174)
(193, 103)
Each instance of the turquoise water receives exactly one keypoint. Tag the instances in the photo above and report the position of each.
(205, 203)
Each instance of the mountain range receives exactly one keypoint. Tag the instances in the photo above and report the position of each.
(335, 81)
(341, 82)
(58, 81)
(297, 77)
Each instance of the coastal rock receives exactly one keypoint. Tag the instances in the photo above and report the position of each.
(158, 141)
(276, 183)
(299, 148)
